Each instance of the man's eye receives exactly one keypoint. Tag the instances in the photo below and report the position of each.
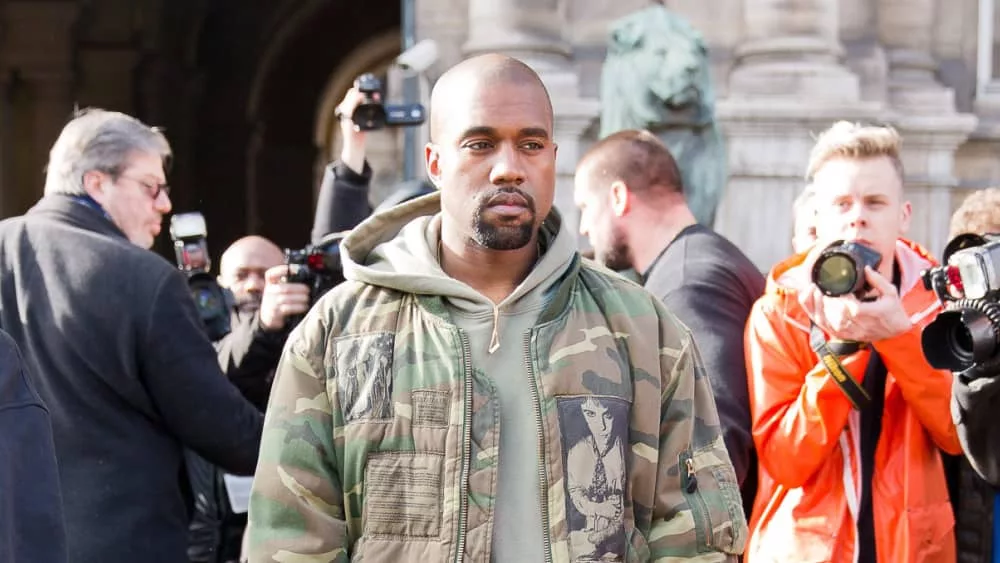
(478, 145)
(533, 146)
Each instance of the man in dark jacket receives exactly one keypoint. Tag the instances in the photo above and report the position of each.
(31, 511)
(975, 401)
(111, 336)
(632, 205)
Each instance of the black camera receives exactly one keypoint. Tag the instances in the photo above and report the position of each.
(316, 265)
(372, 114)
(967, 333)
(214, 303)
(840, 268)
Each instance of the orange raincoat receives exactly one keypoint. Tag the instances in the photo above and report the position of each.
(807, 434)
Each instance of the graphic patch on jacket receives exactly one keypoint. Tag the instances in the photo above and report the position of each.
(364, 381)
(594, 432)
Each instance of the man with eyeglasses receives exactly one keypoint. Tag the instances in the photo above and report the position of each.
(116, 349)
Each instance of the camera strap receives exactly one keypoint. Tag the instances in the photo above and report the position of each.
(828, 355)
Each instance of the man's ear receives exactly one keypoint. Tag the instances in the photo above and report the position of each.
(432, 161)
(621, 198)
(906, 212)
(93, 184)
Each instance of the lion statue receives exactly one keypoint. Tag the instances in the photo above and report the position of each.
(656, 76)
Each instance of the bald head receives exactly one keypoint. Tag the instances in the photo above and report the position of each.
(466, 80)
(635, 157)
(242, 269)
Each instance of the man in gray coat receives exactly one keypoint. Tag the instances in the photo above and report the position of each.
(114, 344)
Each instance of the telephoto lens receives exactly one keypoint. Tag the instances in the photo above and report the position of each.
(840, 269)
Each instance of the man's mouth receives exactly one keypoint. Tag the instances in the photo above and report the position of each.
(509, 203)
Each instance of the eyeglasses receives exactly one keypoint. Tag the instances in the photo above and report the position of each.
(152, 189)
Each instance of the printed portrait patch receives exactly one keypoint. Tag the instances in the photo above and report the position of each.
(594, 430)
(364, 376)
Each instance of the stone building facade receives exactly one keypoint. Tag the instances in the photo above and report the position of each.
(246, 90)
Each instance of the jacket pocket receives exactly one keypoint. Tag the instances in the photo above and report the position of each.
(709, 485)
(403, 493)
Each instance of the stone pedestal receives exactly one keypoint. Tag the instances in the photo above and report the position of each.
(768, 145)
(929, 147)
(532, 31)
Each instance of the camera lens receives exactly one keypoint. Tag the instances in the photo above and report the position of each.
(962, 337)
(836, 274)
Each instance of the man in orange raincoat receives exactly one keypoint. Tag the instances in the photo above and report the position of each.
(848, 417)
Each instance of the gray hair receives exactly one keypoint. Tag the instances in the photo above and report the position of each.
(102, 140)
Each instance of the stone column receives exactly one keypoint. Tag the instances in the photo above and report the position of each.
(791, 50)
(906, 29)
(35, 60)
(532, 31)
(788, 84)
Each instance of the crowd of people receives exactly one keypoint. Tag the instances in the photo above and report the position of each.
(475, 389)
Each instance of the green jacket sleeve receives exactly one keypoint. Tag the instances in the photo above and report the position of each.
(296, 504)
(698, 511)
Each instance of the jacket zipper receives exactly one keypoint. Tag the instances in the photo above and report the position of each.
(692, 489)
(463, 496)
(543, 480)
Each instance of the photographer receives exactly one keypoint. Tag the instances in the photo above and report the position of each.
(975, 404)
(846, 411)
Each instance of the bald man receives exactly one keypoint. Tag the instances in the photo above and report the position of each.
(252, 269)
(474, 392)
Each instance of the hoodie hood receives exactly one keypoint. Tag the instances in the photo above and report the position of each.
(397, 249)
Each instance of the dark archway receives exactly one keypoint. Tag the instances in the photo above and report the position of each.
(239, 95)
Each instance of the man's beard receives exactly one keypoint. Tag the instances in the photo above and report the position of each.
(618, 255)
(502, 236)
(248, 303)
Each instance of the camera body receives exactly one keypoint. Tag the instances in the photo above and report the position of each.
(967, 334)
(840, 268)
(317, 266)
(371, 114)
(213, 302)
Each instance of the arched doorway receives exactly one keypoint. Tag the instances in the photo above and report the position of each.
(266, 78)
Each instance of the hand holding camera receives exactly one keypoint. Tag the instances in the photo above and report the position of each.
(849, 299)
(281, 299)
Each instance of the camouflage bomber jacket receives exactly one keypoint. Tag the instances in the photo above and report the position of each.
(381, 442)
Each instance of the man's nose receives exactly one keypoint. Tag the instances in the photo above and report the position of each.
(857, 216)
(162, 202)
(508, 167)
(255, 282)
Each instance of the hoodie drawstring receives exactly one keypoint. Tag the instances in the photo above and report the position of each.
(495, 337)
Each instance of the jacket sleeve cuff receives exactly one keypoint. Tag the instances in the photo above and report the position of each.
(345, 173)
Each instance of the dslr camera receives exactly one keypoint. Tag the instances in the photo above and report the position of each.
(967, 334)
(317, 266)
(214, 304)
(840, 269)
(371, 114)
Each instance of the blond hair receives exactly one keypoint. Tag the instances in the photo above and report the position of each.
(855, 141)
(978, 214)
